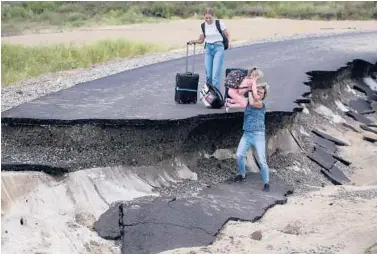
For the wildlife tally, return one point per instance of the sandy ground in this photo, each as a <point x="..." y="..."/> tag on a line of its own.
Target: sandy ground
<point x="174" y="34"/>
<point x="41" y="214"/>
<point x="325" y="221"/>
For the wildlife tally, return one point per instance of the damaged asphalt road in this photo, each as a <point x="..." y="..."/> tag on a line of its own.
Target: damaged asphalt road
<point x="161" y="224"/>
<point x="152" y="226"/>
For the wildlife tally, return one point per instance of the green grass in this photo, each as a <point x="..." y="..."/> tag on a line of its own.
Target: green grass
<point x="20" y="16"/>
<point x="21" y="62"/>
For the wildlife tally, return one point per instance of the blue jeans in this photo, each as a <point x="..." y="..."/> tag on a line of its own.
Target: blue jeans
<point x="214" y="60"/>
<point x="258" y="141"/>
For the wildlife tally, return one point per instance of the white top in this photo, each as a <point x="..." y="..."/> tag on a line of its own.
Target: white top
<point x="212" y="34"/>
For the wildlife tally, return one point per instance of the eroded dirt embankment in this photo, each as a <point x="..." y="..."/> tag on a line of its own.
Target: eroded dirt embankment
<point x="163" y="159"/>
<point x="294" y="159"/>
<point x="91" y="165"/>
<point x="329" y="216"/>
<point x="119" y="162"/>
<point x="74" y="145"/>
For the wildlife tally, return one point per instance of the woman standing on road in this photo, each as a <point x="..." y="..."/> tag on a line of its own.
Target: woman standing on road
<point x="254" y="132"/>
<point x="213" y="33"/>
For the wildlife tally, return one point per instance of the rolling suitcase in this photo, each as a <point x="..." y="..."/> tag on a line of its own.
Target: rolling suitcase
<point x="186" y="87"/>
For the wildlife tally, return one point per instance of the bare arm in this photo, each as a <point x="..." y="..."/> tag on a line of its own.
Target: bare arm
<point x="253" y="87"/>
<point x="253" y="102"/>
<point x="227" y="35"/>
<point x="244" y="86"/>
<point x="198" y="41"/>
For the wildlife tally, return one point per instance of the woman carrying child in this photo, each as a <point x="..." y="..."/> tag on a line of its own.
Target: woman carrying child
<point x="253" y="125"/>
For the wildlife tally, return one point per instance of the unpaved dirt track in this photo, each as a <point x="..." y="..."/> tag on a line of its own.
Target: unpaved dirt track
<point x="175" y="33"/>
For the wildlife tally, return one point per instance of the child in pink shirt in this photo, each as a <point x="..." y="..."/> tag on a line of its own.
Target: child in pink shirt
<point x="239" y="82"/>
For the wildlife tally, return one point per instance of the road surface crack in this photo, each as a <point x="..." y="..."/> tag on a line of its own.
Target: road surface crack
<point x="167" y="223"/>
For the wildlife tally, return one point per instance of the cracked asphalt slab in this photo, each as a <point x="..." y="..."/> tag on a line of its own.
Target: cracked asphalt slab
<point x="147" y="92"/>
<point x="154" y="225"/>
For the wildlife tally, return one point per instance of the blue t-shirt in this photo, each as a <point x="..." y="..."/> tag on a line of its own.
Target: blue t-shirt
<point x="254" y="118"/>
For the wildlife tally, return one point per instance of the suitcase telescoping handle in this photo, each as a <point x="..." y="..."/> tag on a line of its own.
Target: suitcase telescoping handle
<point x="187" y="55"/>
